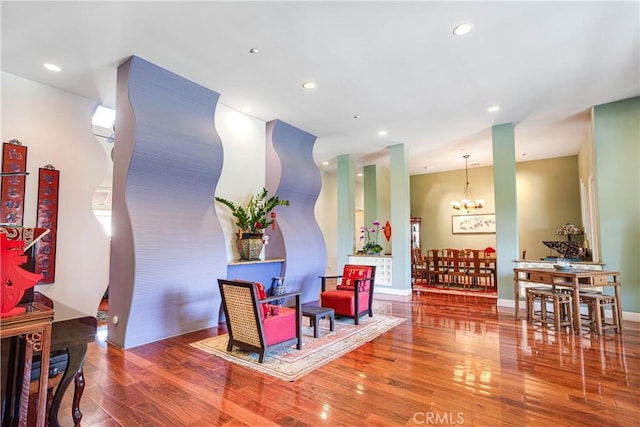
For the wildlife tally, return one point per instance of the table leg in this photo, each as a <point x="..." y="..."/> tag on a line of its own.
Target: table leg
<point x="332" y="322"/>
<point x="516" y="296"/>
<point x="576" y="309"/>
<point x="77" y="355"/>
<point x="316" y="324"/>
<point x="618" y="305"/>
<point x="77" y="395"/>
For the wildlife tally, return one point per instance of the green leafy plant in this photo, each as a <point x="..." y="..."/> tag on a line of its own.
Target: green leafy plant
<point x="256" y="215"/>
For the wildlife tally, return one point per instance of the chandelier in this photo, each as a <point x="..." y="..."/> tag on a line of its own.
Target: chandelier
<point x="467" y="203"/>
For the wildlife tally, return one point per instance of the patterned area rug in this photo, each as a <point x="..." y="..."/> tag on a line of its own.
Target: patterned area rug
<point x="290" y="364"/>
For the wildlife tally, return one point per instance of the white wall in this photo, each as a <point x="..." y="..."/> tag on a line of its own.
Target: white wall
<point x="243" y="170"/>
<point x="326" y="215"/>
<point x="56" y="128"/>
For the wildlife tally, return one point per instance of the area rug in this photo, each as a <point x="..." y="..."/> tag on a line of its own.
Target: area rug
<point x="290" y="364"/>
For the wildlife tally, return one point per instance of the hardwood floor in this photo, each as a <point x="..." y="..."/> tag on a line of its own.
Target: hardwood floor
<point x="459" y="360"/>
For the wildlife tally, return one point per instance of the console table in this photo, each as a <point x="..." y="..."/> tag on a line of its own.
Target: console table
<point x="34" y="326"/>
<point x="573" y="279"/>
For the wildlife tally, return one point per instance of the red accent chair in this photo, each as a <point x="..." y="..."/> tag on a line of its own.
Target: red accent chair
<point x="255" y="325"/>
<point x="353" y="297"/>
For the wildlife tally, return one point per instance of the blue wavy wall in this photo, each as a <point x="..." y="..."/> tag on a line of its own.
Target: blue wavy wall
<point x="168" y="247"/>
<point x="293" y="175"/>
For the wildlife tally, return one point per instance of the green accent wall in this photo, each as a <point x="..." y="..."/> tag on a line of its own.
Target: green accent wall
<point x="616" y="135"/>
<point x="548" y="197"/>
<point x="370" y="194"/>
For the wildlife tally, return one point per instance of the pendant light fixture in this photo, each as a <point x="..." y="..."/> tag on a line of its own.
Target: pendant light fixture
<point x="467" y="203"/>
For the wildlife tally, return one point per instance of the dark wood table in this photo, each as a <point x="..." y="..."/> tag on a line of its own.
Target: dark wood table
<point x="32" y="329"/>
<point x="315" y="313"/>
<point x="573" y="279"/>
<point x="71" y="331"/>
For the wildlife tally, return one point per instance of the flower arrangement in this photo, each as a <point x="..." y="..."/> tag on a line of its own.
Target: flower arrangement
<point x="569" y="230"/>
<point x="370" y="238"/>
<point x="257" y="215"/>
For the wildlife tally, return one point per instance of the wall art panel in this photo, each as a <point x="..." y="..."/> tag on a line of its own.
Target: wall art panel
<point x="168" y="248"/>
<point x="293" y="175"/>
<point x="47" y="217"/>
<point x="12" y="186"/>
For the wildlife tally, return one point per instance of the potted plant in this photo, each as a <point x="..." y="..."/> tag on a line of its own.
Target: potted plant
<point x="370" y="238"/>
<point x="252" y="220"/>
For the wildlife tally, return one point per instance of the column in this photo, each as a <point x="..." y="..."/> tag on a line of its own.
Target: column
<point x="504" y="179"/>
<point x="346" y="222"/>
<point x="400" y="220"/>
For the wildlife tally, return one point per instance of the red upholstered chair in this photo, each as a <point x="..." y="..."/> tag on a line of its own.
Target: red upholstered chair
<point x="353" y="297"/>
<point x="253" y="323"/>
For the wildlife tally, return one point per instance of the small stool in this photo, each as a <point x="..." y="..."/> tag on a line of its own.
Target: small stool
<point x="596" y="304"/>
<point x="532" y="296"/>
<point x="560" y="314"/>
<point x="315" y="314"/>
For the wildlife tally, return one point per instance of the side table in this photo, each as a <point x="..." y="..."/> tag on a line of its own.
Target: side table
<point x="315" y="314"/>
<point x="34" y="325"/>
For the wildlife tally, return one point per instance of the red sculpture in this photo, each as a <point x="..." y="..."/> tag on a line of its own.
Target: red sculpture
<point x="14" y="280"/>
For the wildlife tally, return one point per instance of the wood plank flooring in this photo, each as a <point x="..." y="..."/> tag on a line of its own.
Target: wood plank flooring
<point x="458" y="360"/>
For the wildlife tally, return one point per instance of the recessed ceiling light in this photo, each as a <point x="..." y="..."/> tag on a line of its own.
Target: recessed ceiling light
<point x="254" y="50"/>
<point x="325" y="163"/>
<point x="52" y="67"/>
<point x="245" y="109"/>
<point x="524" y="154"/>
<point x="382" y="133"/>
<point x="309" y="85"/>
<point x="359" y="174"/>
<point x="357" y="116"/>
<point x="462" y="29"/>
<point x="493" y="109"/>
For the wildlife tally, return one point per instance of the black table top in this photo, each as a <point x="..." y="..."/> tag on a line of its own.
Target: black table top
<point x="315" y="310"/>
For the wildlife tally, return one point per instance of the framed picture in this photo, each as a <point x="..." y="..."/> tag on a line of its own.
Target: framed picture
<point x="473" y="224"/>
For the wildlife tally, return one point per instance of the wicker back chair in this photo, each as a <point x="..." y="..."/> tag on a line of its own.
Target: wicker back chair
<point x="254" y="324"/>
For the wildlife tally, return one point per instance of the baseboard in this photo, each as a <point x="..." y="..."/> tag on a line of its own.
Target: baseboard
<point x="631" y="316"/>
<point x="391" y="291"/>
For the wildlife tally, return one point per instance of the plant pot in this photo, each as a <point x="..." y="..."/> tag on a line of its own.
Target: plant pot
<point x="250" y="246"/>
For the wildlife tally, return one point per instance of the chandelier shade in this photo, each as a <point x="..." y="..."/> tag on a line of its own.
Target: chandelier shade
<point x="468" y="203"/>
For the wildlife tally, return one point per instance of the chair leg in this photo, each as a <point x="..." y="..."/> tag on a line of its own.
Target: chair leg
<point x="598" y="318"/>
<point x="556" y="312"/>
<point x="261" y="358"/>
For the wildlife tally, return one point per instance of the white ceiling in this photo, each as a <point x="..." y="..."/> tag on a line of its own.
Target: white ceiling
<point x="396" y="64"/>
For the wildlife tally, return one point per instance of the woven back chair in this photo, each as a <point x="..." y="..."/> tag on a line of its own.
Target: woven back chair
<point x="255" y="325"/>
